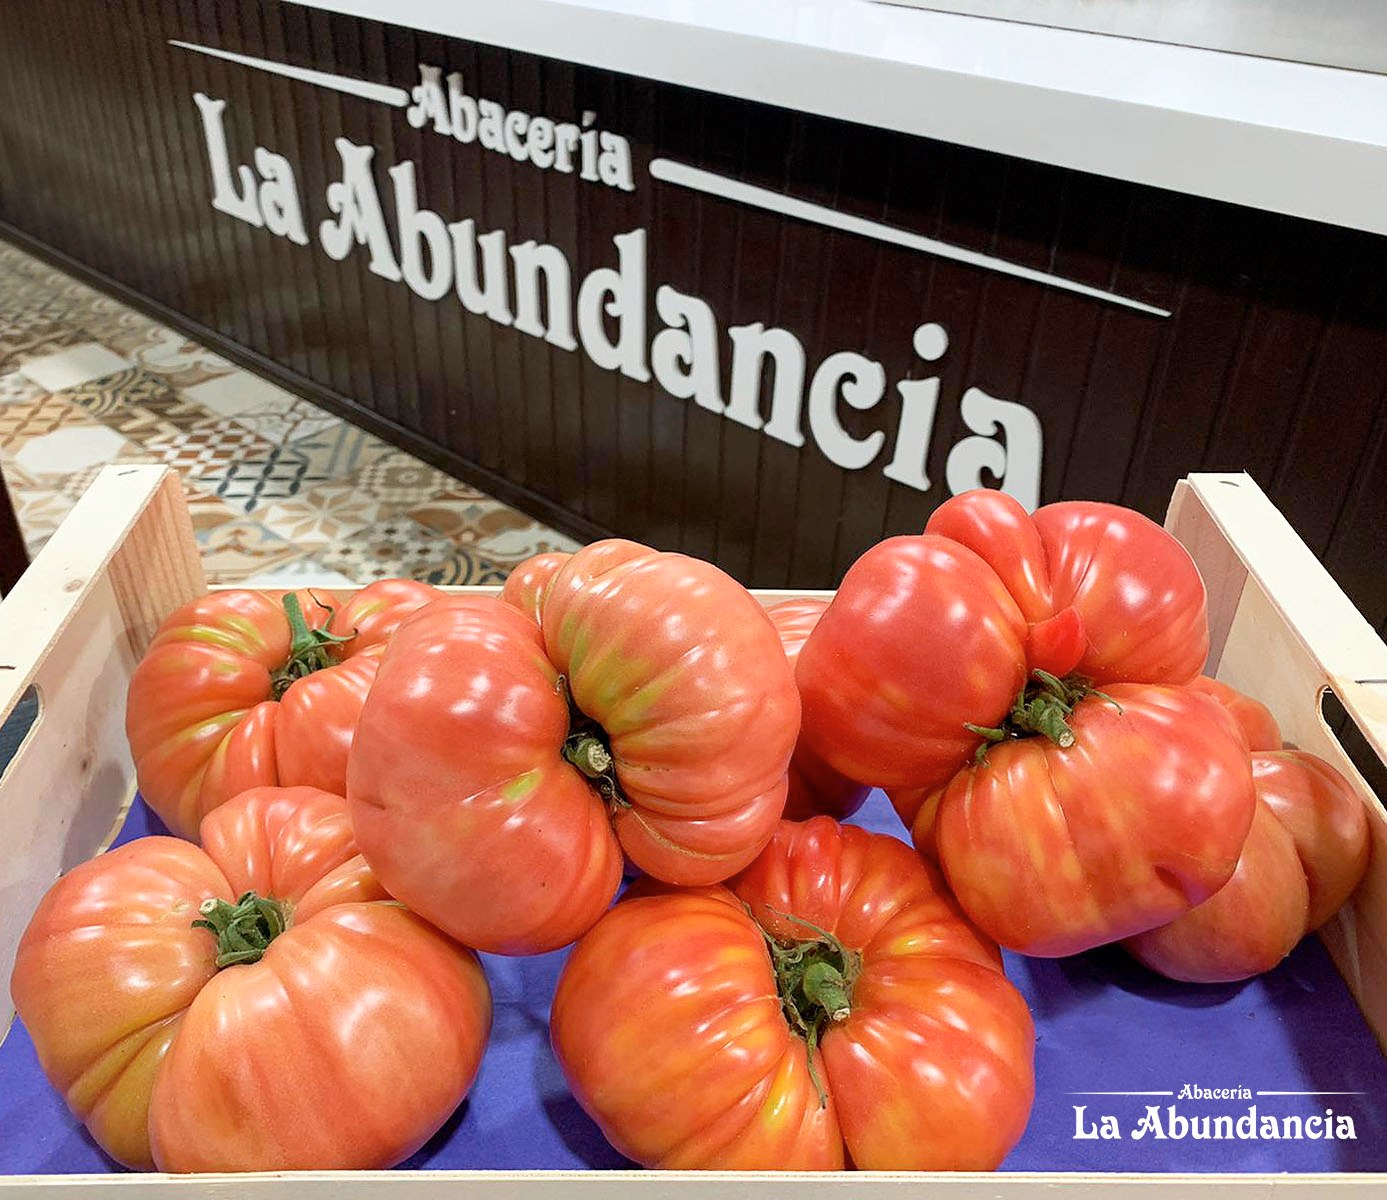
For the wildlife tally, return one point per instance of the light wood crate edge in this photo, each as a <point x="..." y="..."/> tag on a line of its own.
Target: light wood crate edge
<point x="1282" y="630"/>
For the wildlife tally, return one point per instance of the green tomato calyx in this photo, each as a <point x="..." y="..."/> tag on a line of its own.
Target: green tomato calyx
<point x="815" y="977"/>
<point x="588" y="749"/>
<point x="244" y="930"/>
<point x="309" y="649"/>
<point x="1042" y="708"/>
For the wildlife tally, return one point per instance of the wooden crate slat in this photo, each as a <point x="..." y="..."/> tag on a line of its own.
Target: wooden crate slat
<point x="74" y="628"/>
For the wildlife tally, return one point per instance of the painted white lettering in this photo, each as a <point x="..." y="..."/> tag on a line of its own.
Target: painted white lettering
<point x="685" y="354"/>
<point x="751" y="344"/>
<point x="1150" y="1123"/>
<point x="359" y="220"/>
<point x="227" y="197"/>
<point x="862" y="383"/>
<point x="1017" y="464"/>
<point x="620" y="294"/>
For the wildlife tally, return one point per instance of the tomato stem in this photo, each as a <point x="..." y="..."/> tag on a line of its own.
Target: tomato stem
<point x="815" y="978"/>
<point x="244" y="930"/>
<point x="309" y="649"/>
<point x="1042" y="708"/>
<point x="587" y="748"/>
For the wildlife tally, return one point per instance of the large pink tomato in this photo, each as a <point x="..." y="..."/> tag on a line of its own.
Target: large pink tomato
<point x="934" y="635"/>
<point x="503" y="763"/>
<point x="1306" y="852"/>
<point x="1093" y="818"/>
<point x="832" y="1008"/>
<point x="1105" y="591"/>
<point x="815" y="787"/>
<point x="1254" y="718"/>
<point x="259" y="1004"/>
<point x="243" y="689"/>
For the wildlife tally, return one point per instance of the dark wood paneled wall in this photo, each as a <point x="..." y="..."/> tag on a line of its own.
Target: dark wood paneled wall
<point x="1274" y="358"/>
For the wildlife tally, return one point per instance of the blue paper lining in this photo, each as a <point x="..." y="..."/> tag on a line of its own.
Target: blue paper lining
<point x="1104" y="1024"/>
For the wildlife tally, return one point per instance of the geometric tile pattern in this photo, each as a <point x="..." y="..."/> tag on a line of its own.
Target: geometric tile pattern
<point x="322" y="514"/>
<point x="467" y="567"/>
<point x="401" y="480"/>
<point x="16" y="389"/>
<point x="258" y="475"/>
<point x="395" y="546"/>
<point x="74" y="447"/>
<point x="130" y="387"/>
<point x="341" y="451"/>
<point x="281" y="493"/>
<point x="36" y="418"/>
<point x="72" y="365"/>
<point x="209" y="448"/>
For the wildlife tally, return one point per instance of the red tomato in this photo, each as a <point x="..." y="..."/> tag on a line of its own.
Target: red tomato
<point x="815" y="787"/>
<point x="501" y="766"/>
<point x="833" y="1007"/>
<point x="229" y="697"/>
<point x="525" y="585"/>
<point x="1307" y="851"/>
<point x="1254" y="718"/>
<point x="920" y="640"/>
<point x="328" y="1027"/>
<point x="1054" y="849"/>
<point x="932" y="634"/>
<point x="1325" y="817"/>
<point x="1106" y="592"/>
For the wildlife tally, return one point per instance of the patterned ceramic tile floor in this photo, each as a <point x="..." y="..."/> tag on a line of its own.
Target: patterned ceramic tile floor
<point x="280" y="491"/>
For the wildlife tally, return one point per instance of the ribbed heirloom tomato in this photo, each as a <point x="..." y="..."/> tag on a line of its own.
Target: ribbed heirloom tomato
<point x="830" y="1007"/>
<point x="1254" y="718"/>
<point x="243" y="689"/>
<point x="1092" y="818"/>
<point x="1306" y="852"/>
<point x="256" y="1004"/>
<point x="930" y="634"/>
<point x="509" y="753"/>
<point x="815" y="787"/>
<point x="1131" y="809"/>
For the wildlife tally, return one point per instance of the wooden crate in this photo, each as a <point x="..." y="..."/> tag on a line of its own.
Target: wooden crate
<point x="76" y="624"/>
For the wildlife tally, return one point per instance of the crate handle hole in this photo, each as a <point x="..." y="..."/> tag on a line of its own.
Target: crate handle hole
<point x="1359" y="750"/>
<point x="18" y="727"/>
